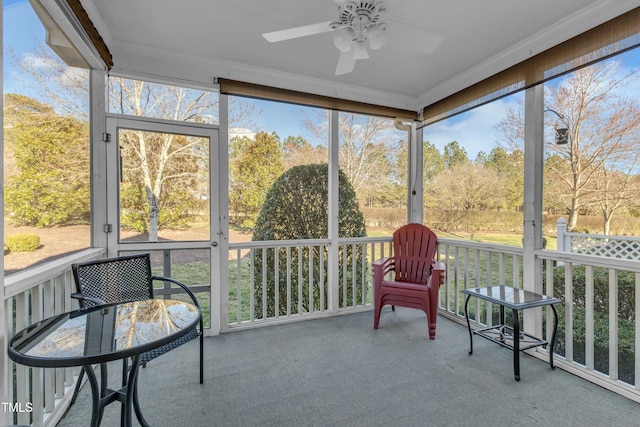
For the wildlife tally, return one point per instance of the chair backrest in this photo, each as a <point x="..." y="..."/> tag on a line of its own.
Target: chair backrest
<point x="414" y="249"/>
<point x="114" y="280"/>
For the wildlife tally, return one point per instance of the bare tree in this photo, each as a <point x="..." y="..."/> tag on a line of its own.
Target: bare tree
<point x="614" y="191"/>
<point x="468" y="186"/>
<point x="603" y="125"/>
<point x="369" y="151"/>
<point x="603" y="128"/>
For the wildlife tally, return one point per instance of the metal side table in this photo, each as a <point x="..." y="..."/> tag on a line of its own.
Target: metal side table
<point x="511" y="337"/>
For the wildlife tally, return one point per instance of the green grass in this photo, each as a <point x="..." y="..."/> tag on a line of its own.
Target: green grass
<point x="510" y="239"/>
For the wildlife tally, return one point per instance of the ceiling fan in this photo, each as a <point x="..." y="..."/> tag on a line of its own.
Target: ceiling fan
<point x="360" y="23"/>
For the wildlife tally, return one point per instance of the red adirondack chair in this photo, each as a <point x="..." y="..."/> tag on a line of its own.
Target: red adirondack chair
<point x="417" y="275"/>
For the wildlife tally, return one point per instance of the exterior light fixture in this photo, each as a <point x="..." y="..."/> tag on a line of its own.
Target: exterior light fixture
<point x="562" y="133"/>
<point x="562" y="136"/>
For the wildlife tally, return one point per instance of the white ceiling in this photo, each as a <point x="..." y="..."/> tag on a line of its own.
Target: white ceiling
<point x="194" y="41"/>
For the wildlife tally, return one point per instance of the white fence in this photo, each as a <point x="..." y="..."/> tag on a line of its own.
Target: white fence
<point x="623" y="247"/>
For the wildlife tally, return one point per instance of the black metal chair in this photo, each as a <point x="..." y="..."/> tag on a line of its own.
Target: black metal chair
<point x="125" y="279"/>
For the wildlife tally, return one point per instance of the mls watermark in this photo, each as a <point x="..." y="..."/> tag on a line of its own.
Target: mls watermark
<point x="17" y="407"/>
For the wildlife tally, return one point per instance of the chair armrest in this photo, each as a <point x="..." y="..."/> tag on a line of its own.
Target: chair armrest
<point x="179" y="283"/>
<point x="82" y="297"/>
<point x="439" y="271"/>
<point x="383" y="266"/>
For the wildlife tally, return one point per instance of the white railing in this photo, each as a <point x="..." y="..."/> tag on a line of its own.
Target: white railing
<point x="598" y="332"/>
<point x="623" y="247"/>
<point x="302" y="270"/>
<point x="30" y="296"/>
<point x="472" y="265"/>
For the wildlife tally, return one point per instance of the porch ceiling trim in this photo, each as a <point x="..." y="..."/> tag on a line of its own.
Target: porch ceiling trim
<point x="253" y="90"/>
<point x="613" y="37"/>
<point x="93" y="34"/>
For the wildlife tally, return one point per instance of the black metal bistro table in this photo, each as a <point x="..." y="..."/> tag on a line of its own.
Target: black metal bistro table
<point x="102" y="334"/>
<point x="510" y="336"/>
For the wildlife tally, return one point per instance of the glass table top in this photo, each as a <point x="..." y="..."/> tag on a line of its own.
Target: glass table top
<point x="103" y="333"/>
<point x="508" y="296"/>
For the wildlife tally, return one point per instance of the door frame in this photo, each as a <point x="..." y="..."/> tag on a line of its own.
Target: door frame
<point x="217" y="193"/>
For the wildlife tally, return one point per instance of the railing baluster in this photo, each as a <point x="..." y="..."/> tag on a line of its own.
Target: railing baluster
<point x="637" y="332"/>
<point x="299" y="248"/>
<point x="613" y="325"/>
<point x="322" y="282"/>
<point x="252" y="285"/>
<point x="568" y="296"/>
<point x="589" y="317"/>
<point x="238" y="286"/>
<point x="22" y="372"/>
<point x="310" y="274"/>
<point x="288" y="280"/>
<point x="276" y="280"/>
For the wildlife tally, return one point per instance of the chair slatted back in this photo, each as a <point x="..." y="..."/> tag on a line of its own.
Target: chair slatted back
<point x="115" y="280"/>
<point x="414" y="249"/>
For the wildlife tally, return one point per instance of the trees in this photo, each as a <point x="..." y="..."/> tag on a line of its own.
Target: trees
<point x="603" y="125"/>
<point x="298" y="151"/>
<point x="296" y="207"/>
<point x="371" y="154"/>
<point x="603" y="128"/>
<point x="160" y="171"/>
<point x="51" y="183"/>
<point x="252" y="172"/>
<point x="603" y="131"/>
<point x="509" y="167"/>
<point x="162" y="167"/>
<point x="454" y="154"/>
<point x="468" y="187"/>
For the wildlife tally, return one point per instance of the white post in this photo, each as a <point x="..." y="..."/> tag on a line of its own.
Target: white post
<point x="414" y="170"/>
<point x="561" y="230"/>
<point x="334" y="206"/>
<point x="533" y="170"/>
<point x="4" y="325"/>
<point x="219" y="313"/>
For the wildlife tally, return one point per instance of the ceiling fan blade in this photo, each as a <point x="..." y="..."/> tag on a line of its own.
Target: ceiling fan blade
<point x="293" y="33"/>
<point x="346" y="63"/>
<point x="414" y="38"/>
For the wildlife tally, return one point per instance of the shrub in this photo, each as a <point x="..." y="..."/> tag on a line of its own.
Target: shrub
<point x="296" y="207"/>
<point x="22" y="242"/>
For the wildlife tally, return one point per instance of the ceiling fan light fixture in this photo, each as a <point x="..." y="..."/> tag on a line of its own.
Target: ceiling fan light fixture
<point x="377" y="35"/>
<point x="360" y="51"/>
<point x="343" y="39"/>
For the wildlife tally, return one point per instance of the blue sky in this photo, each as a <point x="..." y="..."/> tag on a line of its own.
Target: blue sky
<point x="473" y="130"/>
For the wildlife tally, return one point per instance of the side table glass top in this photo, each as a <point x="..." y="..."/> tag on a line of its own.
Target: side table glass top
<point x="510" y="297"/>
<point x="103" y="333"/>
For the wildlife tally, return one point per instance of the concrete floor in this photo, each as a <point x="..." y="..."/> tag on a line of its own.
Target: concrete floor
<point x="339" y="371"/>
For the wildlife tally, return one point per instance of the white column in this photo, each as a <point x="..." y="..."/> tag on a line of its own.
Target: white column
<point x="98" y="101"/>
<point x="220" y="232"/>
<point x="334" y="206"/>
<point x="533" y="179"/>
<point x="4" y="359"/>
<point x="414" y="180"/>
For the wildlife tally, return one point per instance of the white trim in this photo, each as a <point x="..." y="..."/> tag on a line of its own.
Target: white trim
<point x="203" y="71"/>
<point x="585" y="19"/>
<point x="63" y="16"/>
